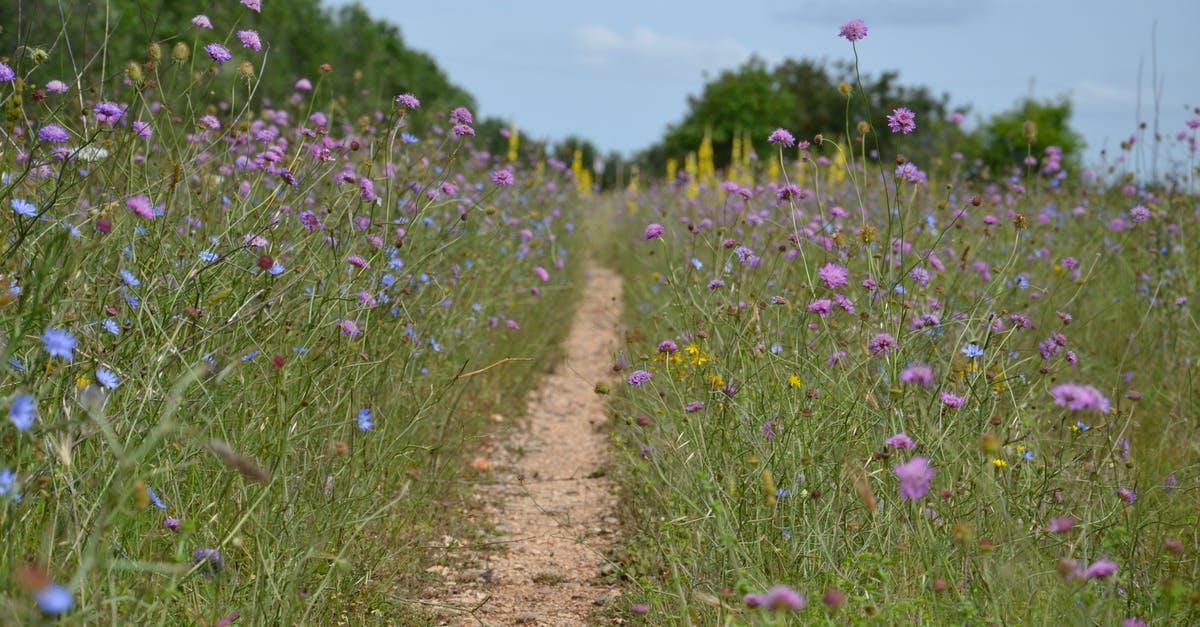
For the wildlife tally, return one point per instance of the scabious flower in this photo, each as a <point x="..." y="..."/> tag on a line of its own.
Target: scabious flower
<point x="23" y="411"/>
<point x="349" y="327"/>
<point x="781" y="597"/>
<point x="503" y="177"/>
<point x="1126" y="494"/>
<point x="667" y="346"/>
<point x="202" y="21"/>
<point x="208" y="561"/>
<point x="364" y="419"/>
<point x="59" y="343"/>
<point x="250" y="39"/>
<point x="219" y="53"/>
<point x="143" y="129"/>
<point x="461" y="115"/>
<point x="1076" y="397"/>
<point x="53" y="133"/>
<point x="950" y="399"/>
<point x="917" y="373"/>
<point x="1139" y="213"/>
<point x="902" y="120"/>
<point x="141" y="206"/>
<point x="253" y="5"/>
<point x="409" y="101"/>
<point x="900" y="440"/>
<point x="693" y="406"/>
<point x="6" y="73"/>
<point x="883" y="343"/>
<point x="782" y="136"/>
<point x="653" y="231"/>
<point x="56" y="87"/>
<point x="172" y="523"/>
<point x="853" y="30"/>
<point x="638" y="377"/>
<point x="833" y="275"/>
<point x="542" y="273"/>
<point x="915" y="476"/>
<point x="1098" y="570"/>
<point x="108" y="112"/>
<point x="1061" y="525"/>
<point x="461" y="130"/>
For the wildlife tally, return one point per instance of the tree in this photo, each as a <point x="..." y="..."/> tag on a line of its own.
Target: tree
<point x="1025" y="130"/>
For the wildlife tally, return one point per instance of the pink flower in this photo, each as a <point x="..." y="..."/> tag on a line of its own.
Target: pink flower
<point x="918" y="373"/>
<point x="542" y="273"/>
<point x="1061" y="525"/>
<point x="503" y="177"/>
<point x="900" y="440"/>
<point x="653" y="231"/>
<point x="902" y="120"/>
<point x="950" y="399"/>
<point x="853" y="30"/>
<point x="250" y="40"/>
<point x="915" y="476"/>
<point x="882" y="344"/>
<point x="1076" y="397"/>
<point x="781" y="136"/>
<point x="253" y="5"/>
<point x="141" y="206"/>
<point x="833" y="275"/>
<point x="202" y="21"/>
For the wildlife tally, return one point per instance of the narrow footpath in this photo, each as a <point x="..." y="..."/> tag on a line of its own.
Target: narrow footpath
<point x="547" y="494"/>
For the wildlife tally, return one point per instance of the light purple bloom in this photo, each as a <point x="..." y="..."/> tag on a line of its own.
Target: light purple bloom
<point x="6" y="73"/>
<point x="853" y="30"/>
<point x="503" y="177"/>
<point x="950" y="399"/>
<point x="638" y="377"/>
<point x="409" y="101"/>
<point x="782" y="136"/>
<point x="1078" y="397"/>
<point x="833" y="275"/>
<point x="56" y="87"/>
<point x="781" y="597"/>
<point x="23" y="412"/>
<point x="202" y="21"/>
<point x="250" y="39"/>
<point x="1061" y="525"/>
<point x="253" y="5"/>
<point x="219" y="53"/>
<point x="883" y="343"/>
<point x="53" y="133"/>
<point x="900" y="440"/>
<point x="653" y="231"/>
<point x="108" y="112"/>
<point x="917" y="373"/>
<point x="915" y="476"/>
<point x="461" y="115"/>
<point x="1098" y="570"/>
<point x="902" y="120"/>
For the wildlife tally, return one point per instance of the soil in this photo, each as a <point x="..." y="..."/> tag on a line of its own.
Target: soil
<point x="545" y="494"/>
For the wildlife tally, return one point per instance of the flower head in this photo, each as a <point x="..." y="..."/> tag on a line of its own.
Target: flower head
<point x="6" y="73"/>
<point x="781" y="597"/>
<point x="638" y="377"/>
<point x="1077" y="397"/>
<point x="23" y="411"/>
<point x="782" y="136"/>
<point x="253" y="5"/>
<point x="107" y="378"/>
<point x="883" y="343"/>
<point x="250" y="39"/>
<point x="202" y="21"/>
<point x="364" y="419"/>
<point x="1061" y="525"/>
<point x="208" y="561"/>
<point x="900" y="440"/>
<point x="219" y="53"/>
<point x="833" y="275"/>
<point x="53" y="133"/>
<point x="108" y="112"/>
<point x="653" y="231"/>
<point x="54" y="598"/>
<point x="853" y="30"/>
<point x="461" y="115"/>
<point x="409" y="101"/>
<point x="902" y="120"/>
<point x="24" y="207"/>
<point x="59" y="343"/>
<point x="503" y="177"/>
<point x="915" y="476"/>
<point x="141" y="206"/>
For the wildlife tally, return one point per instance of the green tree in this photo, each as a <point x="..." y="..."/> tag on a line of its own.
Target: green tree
<point x="1027" y="129"/>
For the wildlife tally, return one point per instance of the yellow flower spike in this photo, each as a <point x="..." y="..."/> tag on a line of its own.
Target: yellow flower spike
<point x="769" y="487"/>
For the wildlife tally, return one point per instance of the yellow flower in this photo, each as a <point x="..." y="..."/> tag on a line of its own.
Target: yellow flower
<point x="999" y="463"/>
<point x="794" y="381"/>
<point x="82" y="380"/>
<point x="1074" y="428"/>
<point x="716" y="380"/>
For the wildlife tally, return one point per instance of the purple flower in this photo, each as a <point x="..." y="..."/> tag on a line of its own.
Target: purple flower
<point x="781" y="136"/>
<point x="463" y="129"/>
<point x="915" y="476"/>
<point x="208" y="561"/>
<point x="250" y="40"/>
<point x="503" y="177"/>
<point x="653" y="231"/>
<point x="364" y="419"/>
<point x="141" y="205"/>
<point x="202" y="21"/>
<point x="1126" y="494"/>
<point x="409" y="101"/>
<point x="902" y="120"/>
<point x="693" y="406"/>
<point x="6" y="73"/>
<point x="752" y="600"/>
<point x="23" y="411"/>
<point x="821" y="306"/>
<point x="1061" y="525"/>
<point x="143" y="129"/>
<point x="108" y="112"/>
<point x="54" y="599"/>
<point x="461" y="115"/>
<point x="1078" y="397"/>
<point x="833" y="275"/>
<point x="853" y="30"/>
<point x="1098" y="570"/>
<point x="638" y="377"/>
<point x="900" y="440"/>
<point x="542" y="273"/>
<point x="882" y="343"/>
<point x="219" y="53"/>
<point x="56" y="87"/>
<point x="349" y="327"/>
<point x="781" y="597"/>
<point x="950" y="399"/>
<point x="1139" y="214"/>
<point x="53" y="133"/>
<point x="253" y="5"/>
<point x="172" y="523"/>
<point x="918" y="373"/>
<point x="667" y="346"/>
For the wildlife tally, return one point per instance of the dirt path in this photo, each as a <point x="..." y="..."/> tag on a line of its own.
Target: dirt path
<point x="546" y="496"/>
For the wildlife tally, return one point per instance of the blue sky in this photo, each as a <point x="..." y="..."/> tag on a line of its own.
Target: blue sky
<point x="618" y="71"/>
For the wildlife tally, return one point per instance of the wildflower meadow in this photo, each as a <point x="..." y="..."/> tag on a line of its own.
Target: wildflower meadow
<point x="250" y="342"/>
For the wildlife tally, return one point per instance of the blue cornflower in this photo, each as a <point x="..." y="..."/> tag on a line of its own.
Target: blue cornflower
<point x="8" y="485"/>
<point x="59" y="343"/>
<point x="787" y="534"/>
<point x="24" y="207"/>
<point x="276" y="269"/>
<point x="107" y="378"/>
<point x="697" y="264"/>
<point x="364" y="419"/>
<point x="54" y="599"/>
<point x="299" y="350"/>
<point x="22" y="412"/>
<point x="111" y="326"/>
<point x="133" y="300"/>
<point x="17" y="364"/>
<point x="250" y="355"/>
<point x="409" y="138"/>
<point x="437" y="348"/>
<point x="972" y="350"/>
<point x="208" y="256"/>
<point x="387" y="280"/>
<point x="129" y="278"/>
<point x="154" y="498"/>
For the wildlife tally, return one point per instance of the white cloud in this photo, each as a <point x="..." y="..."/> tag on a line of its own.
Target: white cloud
<point x="599" y="46"/>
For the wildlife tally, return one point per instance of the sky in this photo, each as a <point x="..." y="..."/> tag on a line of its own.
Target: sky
<point x="618" y="72"/>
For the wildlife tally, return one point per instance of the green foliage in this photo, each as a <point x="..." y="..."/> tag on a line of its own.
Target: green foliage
<point x="801" y="96"/>
<point x="1007" y="138"/>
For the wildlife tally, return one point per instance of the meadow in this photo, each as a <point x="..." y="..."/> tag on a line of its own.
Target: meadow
<point x="250" y="341"/>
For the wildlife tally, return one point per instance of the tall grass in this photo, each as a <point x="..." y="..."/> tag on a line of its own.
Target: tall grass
<point x="245" y="347"/>
<point x="789" y="320"/>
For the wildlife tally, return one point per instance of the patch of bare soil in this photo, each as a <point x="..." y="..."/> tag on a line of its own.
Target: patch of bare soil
<point x="546" y="494"/>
